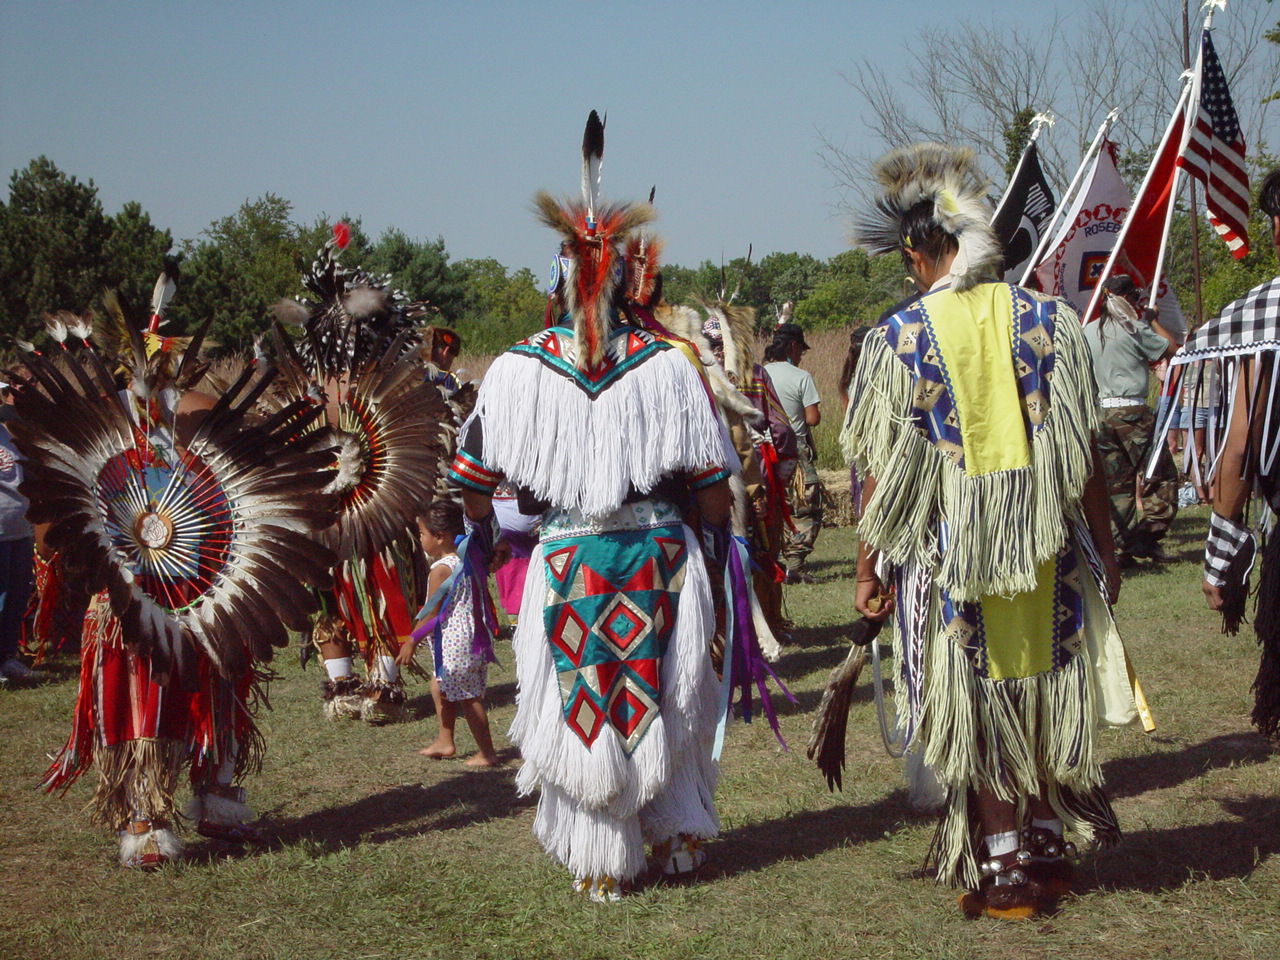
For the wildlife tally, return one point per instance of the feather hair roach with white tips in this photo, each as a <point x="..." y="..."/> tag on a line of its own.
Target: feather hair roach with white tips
<point x="948" y="179"/>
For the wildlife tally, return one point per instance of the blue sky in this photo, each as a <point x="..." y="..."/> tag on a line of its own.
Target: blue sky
<point x="444" y="118"/>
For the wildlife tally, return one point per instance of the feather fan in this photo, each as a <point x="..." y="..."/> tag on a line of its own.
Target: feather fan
<point x="831" y="719"/>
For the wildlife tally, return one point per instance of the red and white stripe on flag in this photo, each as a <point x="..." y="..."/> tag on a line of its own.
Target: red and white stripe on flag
<point x="1213" y="151"/>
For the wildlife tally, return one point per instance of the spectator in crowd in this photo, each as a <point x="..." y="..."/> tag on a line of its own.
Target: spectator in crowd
<point x="799" y="397"/>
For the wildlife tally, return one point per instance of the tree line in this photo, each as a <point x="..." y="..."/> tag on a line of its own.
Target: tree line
<point x="59" y="249"/>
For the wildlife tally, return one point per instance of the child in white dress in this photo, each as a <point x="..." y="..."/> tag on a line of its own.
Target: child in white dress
<point x="459" y="682"/>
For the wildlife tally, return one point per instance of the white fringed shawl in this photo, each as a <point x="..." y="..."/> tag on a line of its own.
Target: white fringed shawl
<point x="575" y="449"/>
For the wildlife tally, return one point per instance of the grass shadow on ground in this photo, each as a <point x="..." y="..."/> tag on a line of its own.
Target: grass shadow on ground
<point x="454" y="803"/>
<point x="1133" y="775"/>
<point x="1161" y="860"/>
<point x="801" y="836"/>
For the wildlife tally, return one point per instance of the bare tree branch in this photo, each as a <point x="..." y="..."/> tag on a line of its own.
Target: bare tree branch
<point x="968" y="85"/>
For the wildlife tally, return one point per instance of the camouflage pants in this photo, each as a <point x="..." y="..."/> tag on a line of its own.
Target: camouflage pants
<point x="1124" y="443"/>
<point x="806" y="496"/>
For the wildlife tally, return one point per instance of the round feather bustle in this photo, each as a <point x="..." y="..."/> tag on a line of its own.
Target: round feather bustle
<point x="948" y="178"/>
<point x="389" y="435"/>
<point x="208" y="542"/>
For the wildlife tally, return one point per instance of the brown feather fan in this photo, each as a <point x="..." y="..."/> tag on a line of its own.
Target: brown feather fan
<point x="831" y="720"/>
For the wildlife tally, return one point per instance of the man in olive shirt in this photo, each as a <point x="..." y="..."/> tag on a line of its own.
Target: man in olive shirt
<point x="798" y="395"/>
<point x="1124" y="343"/>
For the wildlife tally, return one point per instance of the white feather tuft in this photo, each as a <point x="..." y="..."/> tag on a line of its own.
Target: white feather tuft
<point x="364" y="301"/>
<point x="164" y="290"/>
<point x="55" y="327"/>
<point x="291" y="312"/>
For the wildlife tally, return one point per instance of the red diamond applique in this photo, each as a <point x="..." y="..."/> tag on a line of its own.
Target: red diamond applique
<point x="570" y="635"/>
<point x="623" y="624"/>
<point x="632" y="711"/>
<point x="584" y="717"/>
<point x="626" y="712"/>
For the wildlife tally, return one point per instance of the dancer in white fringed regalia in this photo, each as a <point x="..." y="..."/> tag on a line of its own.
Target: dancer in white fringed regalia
<point x="610" y="434"/>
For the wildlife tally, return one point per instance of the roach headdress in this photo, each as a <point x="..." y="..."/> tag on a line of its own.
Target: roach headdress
<point x="643" y="259"/>
<point x="592" y="249"/>
<point x="354" y="315"/>
<point x="733" y="324"/>
<point x="948" y="180"/>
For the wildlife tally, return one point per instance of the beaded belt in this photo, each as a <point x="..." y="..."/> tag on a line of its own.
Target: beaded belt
<point x="1109" y="403"/>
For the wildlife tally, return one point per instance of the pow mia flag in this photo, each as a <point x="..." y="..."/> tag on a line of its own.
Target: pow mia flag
<point x="1023" y="214"/>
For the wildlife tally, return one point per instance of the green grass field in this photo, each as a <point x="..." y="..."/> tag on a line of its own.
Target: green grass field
<point x="379" y="853"/>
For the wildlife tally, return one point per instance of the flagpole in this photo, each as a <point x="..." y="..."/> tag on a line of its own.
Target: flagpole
<point x="1047" y="237"/>
<point x="1178" y="174"/>
<point x="1212" y="7"/>
<point x="1183" y="97"/>
<point x="1038" y="123"/>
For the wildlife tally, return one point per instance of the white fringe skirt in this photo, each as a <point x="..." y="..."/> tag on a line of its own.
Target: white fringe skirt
<point x="598" y="807"/>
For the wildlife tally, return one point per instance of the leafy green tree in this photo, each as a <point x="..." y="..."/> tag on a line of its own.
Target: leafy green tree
<point x="53" y="238"/>
<point x="242" y="265"/>
<point x="501" y="308"/>
<point x="421" y="268"/>
<point x="856" y="289"/>
<point x="59" y="249"/>
<point x="135" y="254"/>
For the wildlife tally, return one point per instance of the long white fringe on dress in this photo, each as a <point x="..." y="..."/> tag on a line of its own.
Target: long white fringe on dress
<point x="598" y="806"/>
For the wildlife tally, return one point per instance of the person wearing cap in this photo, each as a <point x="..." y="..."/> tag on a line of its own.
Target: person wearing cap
<point x="1123" y="344"/>
<point x="799" y="396"/>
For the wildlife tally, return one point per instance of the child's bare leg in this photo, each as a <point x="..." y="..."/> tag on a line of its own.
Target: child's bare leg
<point x="443" y="747"/>
<point x="478" y="721"/>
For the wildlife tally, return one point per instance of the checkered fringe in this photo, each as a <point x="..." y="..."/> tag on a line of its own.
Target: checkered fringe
<point x="1248" y="325"/>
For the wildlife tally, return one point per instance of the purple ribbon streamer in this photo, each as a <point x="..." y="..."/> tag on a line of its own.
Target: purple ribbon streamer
<point x="749" y="665"/>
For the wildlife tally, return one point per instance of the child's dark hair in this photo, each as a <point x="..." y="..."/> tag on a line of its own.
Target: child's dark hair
<point x="442" y="517"/>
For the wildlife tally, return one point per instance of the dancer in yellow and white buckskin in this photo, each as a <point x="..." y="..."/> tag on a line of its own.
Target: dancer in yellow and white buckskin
<point x="971" y="422"/>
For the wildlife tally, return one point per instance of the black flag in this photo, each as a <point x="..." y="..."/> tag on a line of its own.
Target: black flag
<point x="1023" y="214"/>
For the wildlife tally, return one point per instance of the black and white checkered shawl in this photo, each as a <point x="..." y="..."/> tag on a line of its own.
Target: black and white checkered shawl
<point x="1224" y="543"/>
<point x="1245" y="326"/>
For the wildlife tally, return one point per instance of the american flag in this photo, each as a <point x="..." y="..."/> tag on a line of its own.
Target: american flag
<point x="1213" y="152"/>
